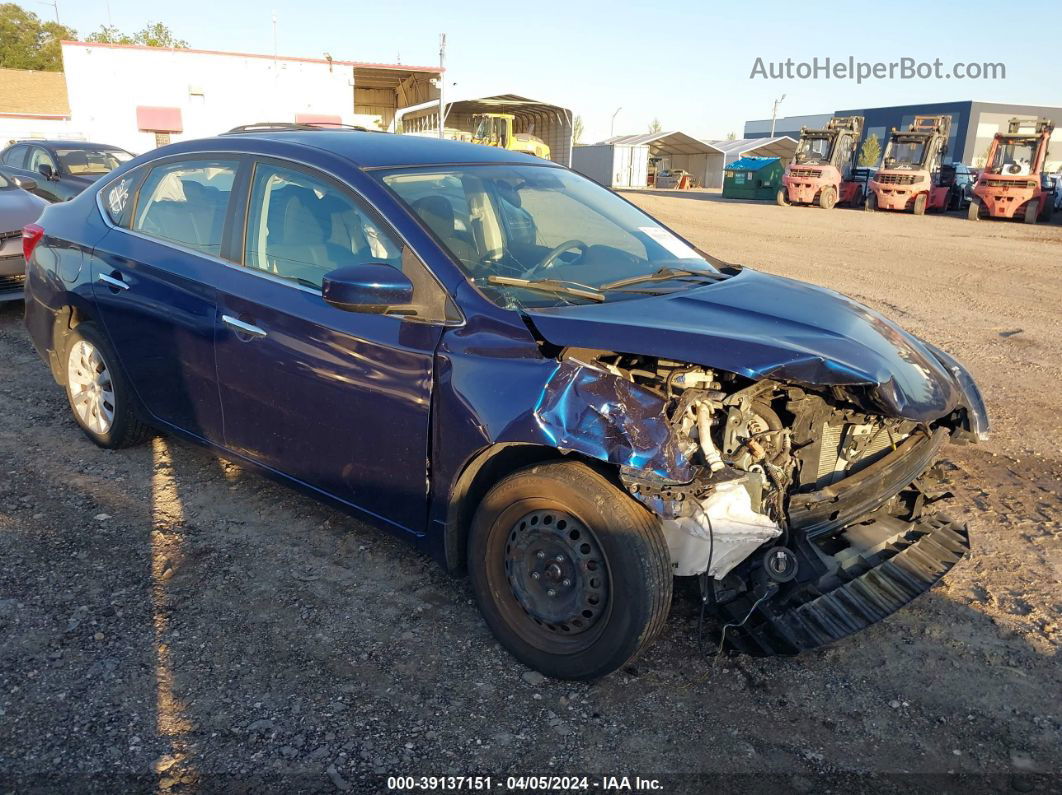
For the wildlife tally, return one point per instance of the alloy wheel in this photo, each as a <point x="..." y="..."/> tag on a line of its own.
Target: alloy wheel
<point x="91" y="388"/>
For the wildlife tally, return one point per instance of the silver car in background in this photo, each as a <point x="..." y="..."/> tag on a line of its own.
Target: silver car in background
<point x="18" y="207"/>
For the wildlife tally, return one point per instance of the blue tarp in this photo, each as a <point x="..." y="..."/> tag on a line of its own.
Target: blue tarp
<point x="750" y="163"/>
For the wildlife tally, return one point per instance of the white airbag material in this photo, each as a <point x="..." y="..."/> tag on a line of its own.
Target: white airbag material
<point x="736" y="532"/>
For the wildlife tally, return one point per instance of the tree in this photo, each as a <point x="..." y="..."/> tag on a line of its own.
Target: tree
<point x="655" y="126"/>
<point x="28" y="43"/>
<point x="577" y="129"/>
<point x="870" y="152"/>
<point x="731" y="136"/>
<point x="154" y="34"/>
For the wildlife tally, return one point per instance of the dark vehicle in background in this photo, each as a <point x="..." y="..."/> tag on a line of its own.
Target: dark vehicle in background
<point x="61" y="169"/>
<point x="18" y="207"/>
<point x="960" y="180"/>
<point x="520" y="372"/>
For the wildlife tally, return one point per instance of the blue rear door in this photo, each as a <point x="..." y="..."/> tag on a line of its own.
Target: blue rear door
<point x="155" y="284"/>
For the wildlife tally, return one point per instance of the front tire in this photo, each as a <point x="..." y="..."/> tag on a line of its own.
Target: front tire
<point x="100" y="398"/>
<point x="571" y="574"/>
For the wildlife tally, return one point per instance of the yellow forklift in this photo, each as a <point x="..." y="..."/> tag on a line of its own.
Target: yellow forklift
<point x="496" y="129"/>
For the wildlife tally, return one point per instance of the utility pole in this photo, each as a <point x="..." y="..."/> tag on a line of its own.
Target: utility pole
<point x="612" y="128"/>
<point x="442" y="84"/>
<point x="55" y="5"/>
<point x="774" y="112"/>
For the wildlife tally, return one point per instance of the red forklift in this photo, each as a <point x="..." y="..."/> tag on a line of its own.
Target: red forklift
<point x="909" y="177"/>
<point x="1012" y="184"/>
<point x="821" y="170"/>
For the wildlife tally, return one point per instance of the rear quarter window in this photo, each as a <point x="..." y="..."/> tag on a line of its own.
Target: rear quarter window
<point x="116" y="197"/>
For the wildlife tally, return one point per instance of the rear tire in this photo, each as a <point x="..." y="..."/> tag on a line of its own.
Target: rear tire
<point x="828" y="198"/>
<point x="100" y="397"/>
<point x="1032" y="211"/>
<point x="571" y="574"/>
<point x="782" y="198"/>
<point x="871" y="204"/>
<point x="973" y="210"/>
<point x="919" y="206"/>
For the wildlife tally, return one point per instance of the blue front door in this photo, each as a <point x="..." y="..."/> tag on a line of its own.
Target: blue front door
<point x="338" y="400"/>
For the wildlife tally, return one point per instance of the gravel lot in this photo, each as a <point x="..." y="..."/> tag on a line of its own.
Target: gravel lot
<point x="169" y="621"/>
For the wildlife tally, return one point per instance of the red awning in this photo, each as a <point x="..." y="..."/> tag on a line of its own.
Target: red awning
<point x="316" y="118"/>
<point x="159" y="119"/>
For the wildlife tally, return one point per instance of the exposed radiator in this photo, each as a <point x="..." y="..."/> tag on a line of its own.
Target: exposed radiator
<point x="864" y="443"/>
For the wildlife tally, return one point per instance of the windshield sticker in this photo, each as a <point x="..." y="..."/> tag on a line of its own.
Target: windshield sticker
<point x="670" y="242"/>
<point x="117" y="197"/>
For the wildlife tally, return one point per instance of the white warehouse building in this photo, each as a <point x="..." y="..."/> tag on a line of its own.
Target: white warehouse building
<point x="140" y="97"/>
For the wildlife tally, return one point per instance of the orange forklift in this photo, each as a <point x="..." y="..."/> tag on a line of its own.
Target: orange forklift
<point x="821" y="170"/>
<point x="1012" y="184"/>
<point x="909" y="177"/>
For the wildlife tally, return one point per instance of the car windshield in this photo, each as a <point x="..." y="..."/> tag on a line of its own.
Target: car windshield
<point x="92" y="161"/>
<point x="904" y="154"/>
<point x="814" y="151"/>
<point x="529" y="235"/>
<point x="1013" y="158"/>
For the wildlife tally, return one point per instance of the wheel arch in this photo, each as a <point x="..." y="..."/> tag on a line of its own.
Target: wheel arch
<point x="480" y="473"/>
<point x="71" y="314"/>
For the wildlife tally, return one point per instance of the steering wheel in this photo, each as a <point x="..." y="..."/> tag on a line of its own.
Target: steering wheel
<point x="547" y="262"/>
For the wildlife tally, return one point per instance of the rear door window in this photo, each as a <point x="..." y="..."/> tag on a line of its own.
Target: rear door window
<point x="185" y="202"/>
<point x="15" y="156"/>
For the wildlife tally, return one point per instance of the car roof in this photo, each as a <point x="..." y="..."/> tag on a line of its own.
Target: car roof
<point x="60" y="144"/>
<point x="385" y="150"/>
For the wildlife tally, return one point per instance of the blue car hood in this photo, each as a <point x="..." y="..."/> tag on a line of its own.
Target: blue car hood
<point x="763" y="326"/>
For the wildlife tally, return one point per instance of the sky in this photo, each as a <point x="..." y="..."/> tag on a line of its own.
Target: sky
<point x="685" y="63"/>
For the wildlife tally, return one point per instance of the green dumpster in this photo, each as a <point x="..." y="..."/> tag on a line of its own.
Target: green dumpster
<point x="753" y="178"/>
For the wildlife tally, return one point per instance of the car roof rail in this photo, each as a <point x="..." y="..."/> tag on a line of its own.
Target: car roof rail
<point x="275" y="126"/>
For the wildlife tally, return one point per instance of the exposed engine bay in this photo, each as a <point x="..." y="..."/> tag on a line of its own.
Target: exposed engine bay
<point x="765" y="489"/>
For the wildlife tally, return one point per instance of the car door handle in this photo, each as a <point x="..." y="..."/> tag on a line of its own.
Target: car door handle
<point x="110" y="281"/>
<point x="241" y="327"/>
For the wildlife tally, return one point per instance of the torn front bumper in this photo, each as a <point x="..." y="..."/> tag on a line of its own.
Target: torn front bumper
<point x="871" y="585"/>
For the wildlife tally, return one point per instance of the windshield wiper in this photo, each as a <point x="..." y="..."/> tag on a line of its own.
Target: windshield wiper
<point x="554" y="286"/>
<point x="663" y="274"/>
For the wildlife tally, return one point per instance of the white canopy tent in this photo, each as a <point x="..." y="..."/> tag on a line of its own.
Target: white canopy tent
<point x="678" y="150"/>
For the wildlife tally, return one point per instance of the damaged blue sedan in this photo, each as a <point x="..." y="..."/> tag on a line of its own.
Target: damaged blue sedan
<point x="521" y="372"/>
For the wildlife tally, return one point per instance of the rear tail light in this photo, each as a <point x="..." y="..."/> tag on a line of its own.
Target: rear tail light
<point x="31" y="236"/>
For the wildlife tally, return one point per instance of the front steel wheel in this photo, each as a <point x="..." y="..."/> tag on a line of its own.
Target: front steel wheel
<point x="571" y="574"/>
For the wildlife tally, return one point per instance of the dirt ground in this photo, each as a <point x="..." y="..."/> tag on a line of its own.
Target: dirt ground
<point x="169" y="621"/>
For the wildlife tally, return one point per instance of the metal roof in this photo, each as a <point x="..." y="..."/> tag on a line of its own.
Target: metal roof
<point x="499" y="103"/>
<point x="780" y="146"/>
<point x="668" y="143"/>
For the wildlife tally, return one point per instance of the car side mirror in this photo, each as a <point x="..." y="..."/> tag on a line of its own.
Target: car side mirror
<point x="46" y="171"/>
<point x="26" y="183"/>
<point x="372" y="288"/>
